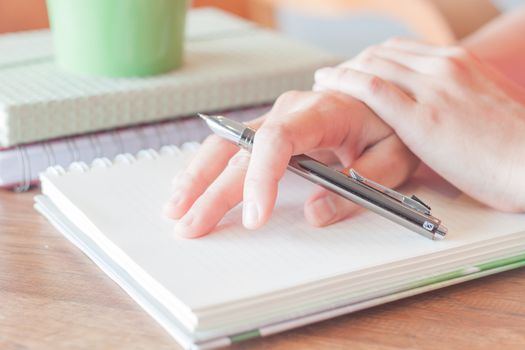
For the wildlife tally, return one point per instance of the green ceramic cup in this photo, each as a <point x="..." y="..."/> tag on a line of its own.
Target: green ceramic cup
<point x="118" y="38"/>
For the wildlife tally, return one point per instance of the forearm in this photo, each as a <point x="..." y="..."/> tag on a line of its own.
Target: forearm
<point x="501" y="44"/>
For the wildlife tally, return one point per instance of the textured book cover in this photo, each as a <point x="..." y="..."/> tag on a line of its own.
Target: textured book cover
<point x="229" y="63"/>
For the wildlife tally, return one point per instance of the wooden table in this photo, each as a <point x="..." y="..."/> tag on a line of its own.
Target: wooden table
<point x="54" y="297"/>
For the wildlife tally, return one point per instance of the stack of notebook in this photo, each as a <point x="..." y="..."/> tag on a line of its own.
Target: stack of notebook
<point x="236" y="284"/>
<point x="20" y="166"/>
<point x="229" y="64"/>
<point x="233" y="284"/>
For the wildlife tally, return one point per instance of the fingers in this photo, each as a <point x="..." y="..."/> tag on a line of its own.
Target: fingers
<point x="391" y="68"/>
<point x="272" y="150"/>
<point x="321" y="122"/>
<point x="298" y="123"/>
<point x="208" y="163"/>
<point x="423" y="49"/>
<point x="222" y="195"/>
<point x="445" y="61"/>
<point x="398" y="56"/>
<point x="402" y="86"/>
<point x="400" y="59"/>
<point x="211" y="159"/>
<point x="386" y="99"/>
<point x="411" y="45"/>
<point x="389" y="162"/>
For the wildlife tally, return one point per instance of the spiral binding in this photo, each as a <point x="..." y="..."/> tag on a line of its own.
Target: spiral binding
<point x="164" y="135"/>
<point x="26" y="171"/>
<point x="123" y="158"/>
<point x="25" y="185"/>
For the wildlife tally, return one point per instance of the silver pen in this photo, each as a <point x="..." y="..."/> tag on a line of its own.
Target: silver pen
<point x="410" y="212"/>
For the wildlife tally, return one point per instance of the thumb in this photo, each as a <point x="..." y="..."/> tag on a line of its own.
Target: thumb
<point x="389" y="163"/>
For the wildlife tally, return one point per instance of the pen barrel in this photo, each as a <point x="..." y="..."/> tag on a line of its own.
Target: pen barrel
<point x="351" y="189"/>
<point x="367" y="197"/>
<point x="246" y="139"/>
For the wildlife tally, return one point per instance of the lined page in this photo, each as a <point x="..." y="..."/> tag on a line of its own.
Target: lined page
<point x="125" y="202"/>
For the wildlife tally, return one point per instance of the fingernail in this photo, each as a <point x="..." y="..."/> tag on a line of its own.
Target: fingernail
<point x="250" y="215"/>
<point x="322" y="74"/>
<point x="182" y="226"/>
<point x="323" y="209"/>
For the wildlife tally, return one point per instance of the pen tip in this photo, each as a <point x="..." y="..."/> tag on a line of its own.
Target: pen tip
<point x="203" y="116"/>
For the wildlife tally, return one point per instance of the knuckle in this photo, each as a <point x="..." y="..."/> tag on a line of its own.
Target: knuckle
<point x="287" y="98"/>
<point x="325" y="98"/>
<point x="450" y="66"/>
<point x="365" y="59"/>
<point x="340" y="73"/>
<point x="375" y="84"/>
<point x="189" y="179"/>
<point x="240" y="160"/>
<point x="459" y="52"/>
<point x="273" y="133"/>
<point x="432" y="116"/>
<point x="325" y="103"/>
<point x="343" y="77"/>
<point x="369" y="63"/>
<point x="393" y="41"/>
<point x="456" y="62"/>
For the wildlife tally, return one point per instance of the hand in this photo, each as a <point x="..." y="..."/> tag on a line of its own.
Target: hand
<point x="220" y="175"/>
<point x="457" y="114"/>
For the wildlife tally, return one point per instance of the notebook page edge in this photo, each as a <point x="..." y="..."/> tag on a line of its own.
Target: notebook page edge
<point x="177" y="307"/>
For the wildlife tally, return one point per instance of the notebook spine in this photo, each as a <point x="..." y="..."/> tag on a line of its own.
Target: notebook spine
<point x="25" y="164"/>
<point x="28" y="164"/>
<point x="27" y="178"/>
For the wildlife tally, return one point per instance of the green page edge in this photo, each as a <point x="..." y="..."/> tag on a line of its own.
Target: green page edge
<point x="510" y="262"/>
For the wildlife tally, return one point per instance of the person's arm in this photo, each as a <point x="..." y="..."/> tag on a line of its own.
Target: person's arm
<point x="502" y="44"/>
<point x="458" y="114"/>
<point x="455" y="119"/>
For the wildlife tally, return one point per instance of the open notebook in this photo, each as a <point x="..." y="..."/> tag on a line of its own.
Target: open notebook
<point x="236" y="284"/>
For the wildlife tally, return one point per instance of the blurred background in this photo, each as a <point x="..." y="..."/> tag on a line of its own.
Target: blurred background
<point x="343" y="27"/>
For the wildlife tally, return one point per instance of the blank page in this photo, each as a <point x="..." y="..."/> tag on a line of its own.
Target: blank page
<point x="124" y="201"/>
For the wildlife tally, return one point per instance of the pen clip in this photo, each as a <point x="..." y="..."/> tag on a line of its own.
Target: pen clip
<point x="412" y="202"/>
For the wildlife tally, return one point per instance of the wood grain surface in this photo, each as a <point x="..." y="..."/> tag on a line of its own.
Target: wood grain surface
<point x="53" y="297"/>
